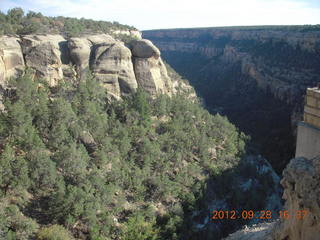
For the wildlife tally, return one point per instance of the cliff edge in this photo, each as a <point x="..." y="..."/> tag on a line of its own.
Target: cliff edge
<point x="121" y="68"/>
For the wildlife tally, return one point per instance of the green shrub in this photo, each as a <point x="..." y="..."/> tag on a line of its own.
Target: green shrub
<point x="54" y="232"/>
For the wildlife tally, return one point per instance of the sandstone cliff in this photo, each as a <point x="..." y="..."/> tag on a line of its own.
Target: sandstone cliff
<point x="302" y="195"/>
<point x="121" y="68"/>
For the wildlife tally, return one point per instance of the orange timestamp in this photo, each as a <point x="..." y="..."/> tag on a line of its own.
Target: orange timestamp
<point x="262" y="214"/>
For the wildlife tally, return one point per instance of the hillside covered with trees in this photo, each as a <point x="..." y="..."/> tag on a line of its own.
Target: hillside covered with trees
<point x="77" y="164"/>
<point x="17" y="22"/>
<point x="73" y="164"/>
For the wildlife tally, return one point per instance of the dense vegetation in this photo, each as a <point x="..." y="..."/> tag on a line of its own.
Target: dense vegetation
<point x="17" y="22"/>
<point x="74" y="164"/>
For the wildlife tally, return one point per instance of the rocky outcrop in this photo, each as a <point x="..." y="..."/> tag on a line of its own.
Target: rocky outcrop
<point x="301" y="180"/>
<point x="119" y="69"/>
<point x="149" y="66"/>
<point x="131" y="33"/>
<point x="113" y="67"/>
<point x="11" y="59"/>
<point x="82" y="49"/>
<point x="79" y="53"/>
<point x="144" y="49"/>
<point x="44" y="58"/>
<point x="46" y="54"/>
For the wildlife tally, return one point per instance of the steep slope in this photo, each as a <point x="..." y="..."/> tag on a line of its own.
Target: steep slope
<point x="256" y="76"/>
<point x="74" y="164"/>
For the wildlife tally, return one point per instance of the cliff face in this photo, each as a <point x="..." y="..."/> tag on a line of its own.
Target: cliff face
<point x="120" y="68"/>
<point x="257" y="77"/>
<point x="284" y="62"/>
<point x="302" y="196"/>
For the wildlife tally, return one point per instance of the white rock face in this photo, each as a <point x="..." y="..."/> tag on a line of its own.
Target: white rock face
<point x="149" y="68"/>
<point x="113" y="67"/>
<point x="79" y="53"/>
<point x="11" y="59"/>
<point x="46" y="54"/>
<point x="144" y="49"/>
<point x="119" y="69"/>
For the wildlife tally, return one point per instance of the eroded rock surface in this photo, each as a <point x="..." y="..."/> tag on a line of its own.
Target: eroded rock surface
<point x="79" y="53"/>
<point x="301" y="181"/>
<point x="46" y="54"/>
<point x="113" y="67"/>
<point x="145" y="49"/>
<point x="11" y="59"/>
<point x="149" y="68"/>
<point x="119" y="69"/>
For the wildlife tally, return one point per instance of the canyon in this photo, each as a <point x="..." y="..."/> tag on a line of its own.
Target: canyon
<point x="256" y="76"/>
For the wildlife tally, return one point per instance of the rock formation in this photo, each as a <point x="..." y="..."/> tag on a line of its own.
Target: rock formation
<point x="113" y="67"/>
<point x="301" y="180"/>
<point x="53" y="57"/>
<point x="11" y="59"/>
<point x="148" y="65"/>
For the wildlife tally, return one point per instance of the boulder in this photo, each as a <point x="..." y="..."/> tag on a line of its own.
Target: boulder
<point x="88" y="141"/>
<point x="11" y="59"/>
<point x="144" y="49"/>
<point x="113" y="67"/>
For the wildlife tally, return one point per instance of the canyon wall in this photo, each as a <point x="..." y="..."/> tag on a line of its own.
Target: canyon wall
<point x="257" y="76"/>
<point x="121" y="68"/>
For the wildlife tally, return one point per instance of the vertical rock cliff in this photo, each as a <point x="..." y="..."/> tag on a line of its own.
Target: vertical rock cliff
<point x="120" y="68"/>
